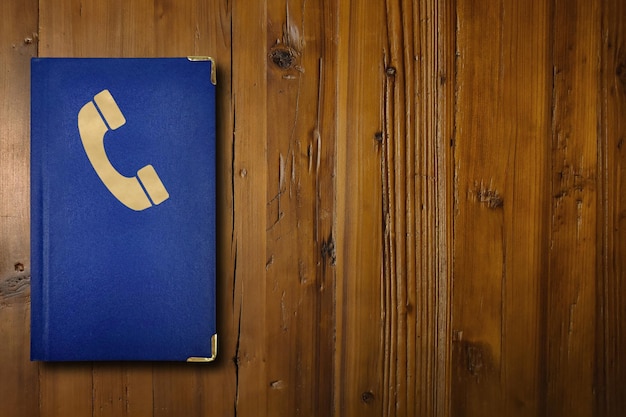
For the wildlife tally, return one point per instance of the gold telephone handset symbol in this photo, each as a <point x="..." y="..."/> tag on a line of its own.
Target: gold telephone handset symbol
<point x="92" y="128"/>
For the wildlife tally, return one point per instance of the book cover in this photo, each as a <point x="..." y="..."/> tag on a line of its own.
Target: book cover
<point x="123" y="209"/>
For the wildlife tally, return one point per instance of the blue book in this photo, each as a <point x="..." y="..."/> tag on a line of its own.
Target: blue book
<point x="123" y="209"/>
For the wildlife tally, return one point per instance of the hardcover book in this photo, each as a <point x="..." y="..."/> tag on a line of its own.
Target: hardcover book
<point x="123" y="209"/>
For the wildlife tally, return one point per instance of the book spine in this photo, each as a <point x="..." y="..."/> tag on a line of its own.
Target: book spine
<point x="38" y="212"/>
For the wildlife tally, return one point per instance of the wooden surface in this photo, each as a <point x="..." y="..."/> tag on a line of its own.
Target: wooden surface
<point x="421" y="207"/>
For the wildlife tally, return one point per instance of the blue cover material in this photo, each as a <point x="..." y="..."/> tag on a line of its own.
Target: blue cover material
<point x="123" y="209"/>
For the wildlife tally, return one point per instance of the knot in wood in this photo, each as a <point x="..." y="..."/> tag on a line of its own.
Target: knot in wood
<point x="390" y="71"/>
<point x="367" y="397"/>
<point x="283" y="57"/>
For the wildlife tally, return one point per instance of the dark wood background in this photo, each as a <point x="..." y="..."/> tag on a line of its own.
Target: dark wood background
<point x="422" y="207"/>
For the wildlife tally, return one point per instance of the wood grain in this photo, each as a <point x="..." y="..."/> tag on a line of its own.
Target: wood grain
<point x="300" y="256"/>
<point x="421" y="207"/>
<point x="571" y="288"/>
<point x="250" y="185"/>
<point x="359" y="380"/>
<point x="120" y="390"/>
<point x="416" y="167"/>
<point x="500" y="225"/>
<point x="611" y="291"/>
<point x="19" y="383"/>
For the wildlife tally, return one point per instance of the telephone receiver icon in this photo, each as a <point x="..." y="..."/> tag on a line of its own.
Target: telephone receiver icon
<point x="137" y="193"/>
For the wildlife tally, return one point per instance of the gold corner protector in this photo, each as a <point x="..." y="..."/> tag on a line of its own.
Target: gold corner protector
<point x="213" y="69"/>
<point x="198" y="359"/>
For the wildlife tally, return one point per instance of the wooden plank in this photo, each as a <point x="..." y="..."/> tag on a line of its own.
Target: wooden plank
<point x="413" y="158"/>
<point x="249" y="184"/>
<point x="300" y="255"/>
<point x="399" y="198"/>
<point x="500" y="224"/>
<point x="19" y="382"/>
<point x="215" y="38"/>
<point x="611" y="328"/>
<point x="359" y="382"/>
<point x="434" y="37"/>
<point x="417" y="111"/>
<point x="444" y="69"/>
<point x="571" y="287"/>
